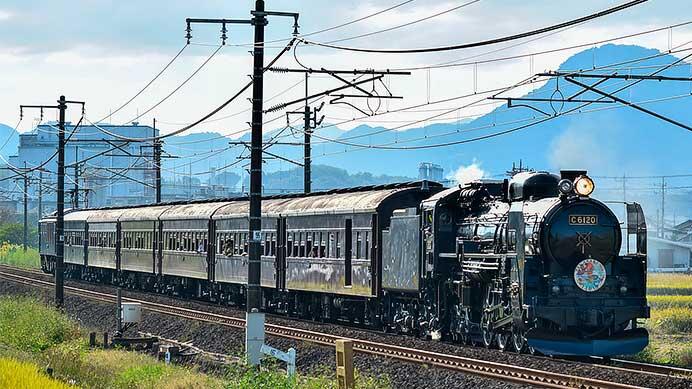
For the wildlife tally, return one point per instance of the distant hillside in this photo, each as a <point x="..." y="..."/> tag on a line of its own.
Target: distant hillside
<point x="323" y="177"/>
<point x="607" y="139"/>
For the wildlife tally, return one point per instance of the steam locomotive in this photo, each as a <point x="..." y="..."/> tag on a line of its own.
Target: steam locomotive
<point x="527" y="263"/>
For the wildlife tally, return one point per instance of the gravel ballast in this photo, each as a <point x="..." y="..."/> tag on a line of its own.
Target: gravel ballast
<point x="312" y="358"/>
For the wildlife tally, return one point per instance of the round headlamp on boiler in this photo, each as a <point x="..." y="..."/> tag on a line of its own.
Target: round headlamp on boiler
<point x="581" y="185"/>
<point x="584" y="185"/>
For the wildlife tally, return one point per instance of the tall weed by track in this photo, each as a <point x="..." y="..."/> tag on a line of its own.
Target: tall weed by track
<point x="666" y="301"/>
<point x="16" y="374"/>
<point x="28" y="325"/>
<point x="669" y="284"/>
<point x="14" y="255"/>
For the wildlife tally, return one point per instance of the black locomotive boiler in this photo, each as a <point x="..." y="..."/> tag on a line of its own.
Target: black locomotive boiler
<point x="527" y="263"/>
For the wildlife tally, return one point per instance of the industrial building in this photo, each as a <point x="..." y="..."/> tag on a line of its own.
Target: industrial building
<point x="109" y="170"/>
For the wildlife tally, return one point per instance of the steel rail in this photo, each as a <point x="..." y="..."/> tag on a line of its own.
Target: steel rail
<point x="487" y="369"/>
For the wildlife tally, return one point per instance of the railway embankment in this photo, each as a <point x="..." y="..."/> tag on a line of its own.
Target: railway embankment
<point x="45" y="348"/>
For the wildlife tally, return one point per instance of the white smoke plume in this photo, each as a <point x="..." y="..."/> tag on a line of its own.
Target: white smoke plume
<point x="468" y="173"/>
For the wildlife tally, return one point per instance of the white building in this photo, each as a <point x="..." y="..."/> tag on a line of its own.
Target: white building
<point x="111" y="171"/>
<point x="669" y="255"/>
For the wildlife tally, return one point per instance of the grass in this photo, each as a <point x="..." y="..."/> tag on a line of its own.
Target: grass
<point x="669" y="284"/>
<point x="658" y="302"/>
<point x="28" y="325"/>
<point x="75" y="361"/>
<point x="17" y="374"/>
<point x="14" y="255"/>
<point x="670" y="325"/>
<point x="33" y="335"/>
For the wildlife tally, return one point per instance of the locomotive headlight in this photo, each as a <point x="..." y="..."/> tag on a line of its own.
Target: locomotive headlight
<point x="556" y="289"/>
<point x="565" y="186"/>
<point x="623" y="289"/>
<point x="583" y="185"/>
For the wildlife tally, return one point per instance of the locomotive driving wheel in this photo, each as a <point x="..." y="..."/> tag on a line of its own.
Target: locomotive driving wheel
<point x="518" y="341"/>
<point x="487" y="333"/>
<point x="503" y="340"/>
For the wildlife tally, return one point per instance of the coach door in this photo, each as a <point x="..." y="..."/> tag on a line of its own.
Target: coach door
<point x="280" y="261"/>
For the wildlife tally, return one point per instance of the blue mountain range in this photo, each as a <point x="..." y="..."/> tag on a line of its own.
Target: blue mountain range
<point x="605" y="138"/>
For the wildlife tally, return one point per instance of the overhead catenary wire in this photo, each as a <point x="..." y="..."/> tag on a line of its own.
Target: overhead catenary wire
<point x="407" y="24"/>
<point x="176" y="89"/>
<point x="205" y="117"/>
<point x="677" y="49"/>
<point x="487" y="136"/>
<point x="44" y="163"/>
<point x="147" y="85"/>
<point x="485" y="42"/>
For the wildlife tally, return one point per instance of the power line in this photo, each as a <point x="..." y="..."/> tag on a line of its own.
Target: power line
<point x="486" y="42"/>
<point x="205" y="117"/>
<point x="145" y="86"/>
<point x="44" y="163"/>
<point x="457" y="63"/>
<point x="527" y="81"/>
<point x="200" y="67"/>
<point x="405" y="24"/>
<point x="386" y="147"/>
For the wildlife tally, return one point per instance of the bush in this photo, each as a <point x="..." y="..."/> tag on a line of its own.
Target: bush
<point x="28" y="325"/>
<point x="15" y="374"/>
<point x="14" y="233"/>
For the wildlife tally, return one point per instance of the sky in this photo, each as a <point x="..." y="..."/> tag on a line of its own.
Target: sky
<point x="104" y="51"/>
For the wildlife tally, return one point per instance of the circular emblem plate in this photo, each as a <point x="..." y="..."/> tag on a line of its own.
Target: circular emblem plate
<point x="589" y="275"/>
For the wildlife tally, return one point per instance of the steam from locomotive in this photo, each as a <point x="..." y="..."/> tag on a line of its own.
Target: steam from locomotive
<point x="527" y="263"/>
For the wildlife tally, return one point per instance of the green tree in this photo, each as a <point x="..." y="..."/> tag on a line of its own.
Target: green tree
<point x="14" y="233"/>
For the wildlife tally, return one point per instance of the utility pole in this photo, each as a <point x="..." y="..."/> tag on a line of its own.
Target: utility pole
<point x="40" y="194"/>
<point x="26" y="207"/>
<point x="60" y="210"/>
<point x="254" y="333"/>
<point x="60" y="201"/>
<point x="157" y="164"/>
<point x="663" y="207"/>
<point x="310" y="122"/>
<point x="624" y="187"/>
<point x="307" y="160"/>
<point x="76" y="177"/>
<point x="40" y="203"/>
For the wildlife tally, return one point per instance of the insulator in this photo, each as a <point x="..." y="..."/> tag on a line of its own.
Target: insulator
<point x="275" y="108"/>
<point x="188" y="34"/>
<point x="278" y="70"/>
<point x="224" y="30"/>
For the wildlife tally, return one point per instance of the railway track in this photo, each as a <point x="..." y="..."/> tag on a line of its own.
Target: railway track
<point x="494" y="370"/>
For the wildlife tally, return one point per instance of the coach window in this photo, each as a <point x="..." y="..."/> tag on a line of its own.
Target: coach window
<point x="338" y="245"/>
<point x="358" y="245"/>
<point x="272" y="247"/>
<point x="367" y="245"/>
<point x="323" y="244"/>
<point x="308" y="244"/>
<point x="289" y="244"/>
